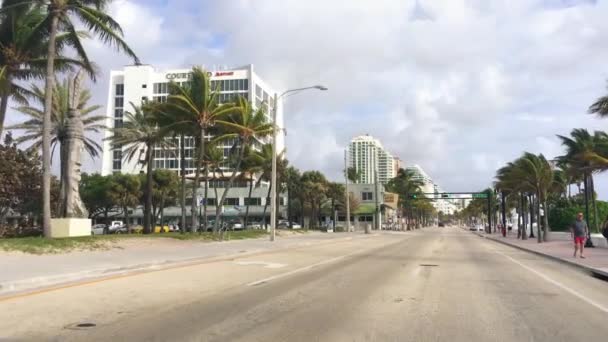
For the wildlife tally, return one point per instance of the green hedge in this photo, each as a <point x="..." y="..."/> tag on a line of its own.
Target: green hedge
<point x="563" y="213"/>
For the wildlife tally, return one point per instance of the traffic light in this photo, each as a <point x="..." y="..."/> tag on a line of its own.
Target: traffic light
<point x="413" y="196"/>
<point x="445" y="195"/>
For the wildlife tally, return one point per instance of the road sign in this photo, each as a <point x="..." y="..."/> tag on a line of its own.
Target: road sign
<point x="480" y="195"/>
<point x="445" y="195"/>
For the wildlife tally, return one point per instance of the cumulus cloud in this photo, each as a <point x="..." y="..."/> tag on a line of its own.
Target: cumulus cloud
<point x="457" y="86"/>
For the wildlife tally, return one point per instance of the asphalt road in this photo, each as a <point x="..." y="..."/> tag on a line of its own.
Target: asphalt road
<point x="438" y="284"/>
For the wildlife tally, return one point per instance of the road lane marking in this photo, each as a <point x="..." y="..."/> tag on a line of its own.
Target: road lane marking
<point x="305" y="268"/>
<point x="557" y="283"/>
<point x="262" y="263"/>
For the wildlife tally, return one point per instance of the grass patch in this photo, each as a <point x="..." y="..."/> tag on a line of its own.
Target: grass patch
<point x="40" y="245"/>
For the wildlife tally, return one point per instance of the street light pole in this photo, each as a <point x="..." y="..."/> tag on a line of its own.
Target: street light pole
<point x="273" y="178"/>
<point x="347" y="195"/>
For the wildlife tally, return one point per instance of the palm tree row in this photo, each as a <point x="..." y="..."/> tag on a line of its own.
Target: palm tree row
<point x="532" y="179"/>
<point x="34" y="35"/>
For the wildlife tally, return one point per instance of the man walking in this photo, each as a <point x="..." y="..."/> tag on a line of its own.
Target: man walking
<point x="579" y="232"/>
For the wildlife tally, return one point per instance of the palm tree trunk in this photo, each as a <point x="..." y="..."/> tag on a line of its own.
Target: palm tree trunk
<point x="182" y="224"/>
<point x="63" y="159"/>
<point x="205" y="217"/>
<point x="197" y="178"/>
<point x="594" y="201"/>
<point x="546" y="228"/>
<point x="266" y="207"/>
<point x="162" y="212"/>
<point x="127" y="224"/>
<point x="302" y="205"/>
<point x="248" y="201"/>
<point x="3" y="106"/>
<point x="46" y="126"/>
<point x="148" y="193"/>
<point x="531" y="202"/>
<point x="539" y="236"/>
<point x="229" y="185"/>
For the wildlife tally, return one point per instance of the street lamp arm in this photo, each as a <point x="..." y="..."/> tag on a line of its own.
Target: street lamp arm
<point x="319" y="87"/>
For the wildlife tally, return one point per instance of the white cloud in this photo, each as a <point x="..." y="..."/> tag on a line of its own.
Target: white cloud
<point x="469" y="87"/>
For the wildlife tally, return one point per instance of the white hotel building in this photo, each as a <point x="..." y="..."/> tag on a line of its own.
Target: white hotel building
<point x="140" y="83"/>
<point x="367" y="155"/>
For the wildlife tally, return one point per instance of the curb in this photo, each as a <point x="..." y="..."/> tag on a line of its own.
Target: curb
<point x="589" y="269"/>
<point x="35" y="285"/>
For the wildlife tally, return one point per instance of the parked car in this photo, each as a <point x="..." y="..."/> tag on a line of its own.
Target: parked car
<point x="285" y="224"/>
<point x="441" y="224"/>
<point x="234" y="225"/>
<point x="254" y="225"/>
<point x="98" y="229"/>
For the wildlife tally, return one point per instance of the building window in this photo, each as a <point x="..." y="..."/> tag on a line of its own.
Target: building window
<point x="118" y="113"/>
<point x="120" y="89"/>
<point x="253" y="201"/>
<point x="144" y="99"/>
<point x="116" y="165"/>
<point x="117" y="123"/>
<point x="258" y="91"/>
<point x="144" y="86"/>
<point x="231" y="201"/>
<point x="159" y="99"/>
<point x="160" y="88"/>
<point x="367" y="196"/>
<point x="118" y="102"/>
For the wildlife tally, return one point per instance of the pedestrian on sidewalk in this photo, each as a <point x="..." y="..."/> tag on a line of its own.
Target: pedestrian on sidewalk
<point x="579" y="231"/>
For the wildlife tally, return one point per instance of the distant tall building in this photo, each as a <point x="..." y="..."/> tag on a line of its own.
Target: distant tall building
<point x="367" y="155"/>
<point x="433" y="190"/>
<point x="397" y="164"/>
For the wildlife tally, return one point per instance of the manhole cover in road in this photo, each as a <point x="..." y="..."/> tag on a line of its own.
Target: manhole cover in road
<point x="80" y="326"/>
<point x="429" y="265"/>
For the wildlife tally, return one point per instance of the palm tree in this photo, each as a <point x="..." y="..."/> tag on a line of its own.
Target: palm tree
<point x="251" y="166"/>
<point x="586" y="154"/>
<point x="23" y="48"/>
<point x="536" y="172"/>
<point x="92" y="122"/>
<point x="294" y="190"/>
<point x="197" y="106"/>
<point x="140" y="129"/>
<point x="246" y="125"/>
<point x="214" y="158"/>
<point x="406" y="184"/>
<point x="59" y="18"/>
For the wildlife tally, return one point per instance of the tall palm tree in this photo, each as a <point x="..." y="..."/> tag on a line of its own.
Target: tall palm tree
<point x="214" y="158"/>
<point x="251" y="166"/>
<point x="60" y="17"/>
<point x="196" y="105"/>
<point x="536" y="172"/>
<point x="406" y="184"/>
<point x="140" y="129"/>
<point x="586" y="153"/>
<point x="245" y="124"/>
<point x="32" y="128"/>
<point x="23" y="49"/>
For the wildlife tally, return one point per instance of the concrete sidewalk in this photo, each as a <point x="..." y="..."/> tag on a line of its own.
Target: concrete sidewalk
<point x="596" y="261"/>
<point x="25" y="272"/>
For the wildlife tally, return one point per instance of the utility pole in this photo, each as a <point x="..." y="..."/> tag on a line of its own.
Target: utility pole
<point x="346" y="193"/>
<point x="504" y="217"/>
<point x="377" y="200"/>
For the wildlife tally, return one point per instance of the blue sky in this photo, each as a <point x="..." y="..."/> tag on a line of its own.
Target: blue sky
<point x="457" y="86"/>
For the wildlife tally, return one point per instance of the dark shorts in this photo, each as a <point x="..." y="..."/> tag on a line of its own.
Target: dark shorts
<point x="579" y="239"/>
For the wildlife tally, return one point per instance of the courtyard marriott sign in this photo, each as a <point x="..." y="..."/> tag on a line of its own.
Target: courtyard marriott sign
<point x="188" y="75"/>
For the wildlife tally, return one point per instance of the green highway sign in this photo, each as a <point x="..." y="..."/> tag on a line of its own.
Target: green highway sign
<point x="480" y="195"/>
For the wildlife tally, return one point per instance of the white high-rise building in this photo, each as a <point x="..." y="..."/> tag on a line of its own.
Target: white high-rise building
<point x="367" y="155"/>
<point x="140" y="83"/>
<point x="419" y="174"/>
